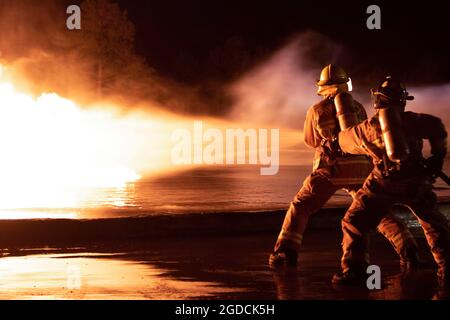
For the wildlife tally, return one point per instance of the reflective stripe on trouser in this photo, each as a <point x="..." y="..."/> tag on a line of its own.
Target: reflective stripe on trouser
<point x="315" y="192"/>
<point x="368" y="210"/>
<point x="317" y="189"/>
<point x="393" y="229"/>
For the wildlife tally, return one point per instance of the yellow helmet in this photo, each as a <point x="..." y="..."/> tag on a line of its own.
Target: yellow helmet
<point x="332" y="74"/>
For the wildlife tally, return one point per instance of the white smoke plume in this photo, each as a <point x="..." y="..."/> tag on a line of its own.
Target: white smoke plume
<point x="280" y="90"/>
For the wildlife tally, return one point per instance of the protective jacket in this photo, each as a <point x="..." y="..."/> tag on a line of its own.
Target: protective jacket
<point x="366" y="138"/>
<point x="321" y="127"/>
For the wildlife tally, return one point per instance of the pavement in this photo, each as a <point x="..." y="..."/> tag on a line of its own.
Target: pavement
<point x="202" y="267"/>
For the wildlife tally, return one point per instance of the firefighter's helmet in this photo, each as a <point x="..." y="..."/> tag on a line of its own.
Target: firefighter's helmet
<point x="390" y="92"/>
<point x="332" y="74"/>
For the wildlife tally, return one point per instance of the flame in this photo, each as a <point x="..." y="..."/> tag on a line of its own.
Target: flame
<point x="57" y="154"/>
<point x="52" y="150"/>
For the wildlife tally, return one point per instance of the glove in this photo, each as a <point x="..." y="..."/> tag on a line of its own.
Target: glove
<point x="433" y="165"/>
<point x="331" y="145"/>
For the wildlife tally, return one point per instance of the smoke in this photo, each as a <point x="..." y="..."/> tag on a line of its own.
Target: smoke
<point x="95" y="64"/>
<point x="280" y="90"/>
<point x="98" y="66"/>
<point x="32" y="46"/>
<point x="431" y="99"/>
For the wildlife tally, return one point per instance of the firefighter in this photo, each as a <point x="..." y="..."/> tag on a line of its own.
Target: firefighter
<point x="331" y="172"/>
<point x="393" y="138"/>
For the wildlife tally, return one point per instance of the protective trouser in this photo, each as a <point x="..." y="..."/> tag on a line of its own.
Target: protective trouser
<point x="369" y="207"/>
<point x="317" y="189"/>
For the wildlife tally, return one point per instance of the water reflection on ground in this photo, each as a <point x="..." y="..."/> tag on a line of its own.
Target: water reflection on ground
<point x="203" y="268"/>
<point x="93" y="276"/>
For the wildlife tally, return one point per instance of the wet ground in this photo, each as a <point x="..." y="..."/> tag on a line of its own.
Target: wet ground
<point x="201" y="268"/>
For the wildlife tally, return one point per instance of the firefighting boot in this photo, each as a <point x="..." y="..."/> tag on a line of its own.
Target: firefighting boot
<point x="350" y="278"/>
<point x="283" y="259"/>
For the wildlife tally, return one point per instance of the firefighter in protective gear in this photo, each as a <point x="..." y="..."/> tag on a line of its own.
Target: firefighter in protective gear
<point x="406" y="179"/>
<point x="331" y="172"/>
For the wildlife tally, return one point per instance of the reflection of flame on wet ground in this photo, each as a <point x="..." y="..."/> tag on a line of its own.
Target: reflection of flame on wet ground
<point x="94" y="276"/>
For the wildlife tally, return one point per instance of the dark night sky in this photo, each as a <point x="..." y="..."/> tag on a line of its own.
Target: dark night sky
<point x="413" y="42"/>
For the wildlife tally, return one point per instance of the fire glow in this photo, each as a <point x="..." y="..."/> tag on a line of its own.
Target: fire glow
<point x="51" y="149"/>
<point x="56" y="154"/>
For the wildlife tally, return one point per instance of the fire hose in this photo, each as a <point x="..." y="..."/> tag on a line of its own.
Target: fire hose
<point x="444" y="177"/>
